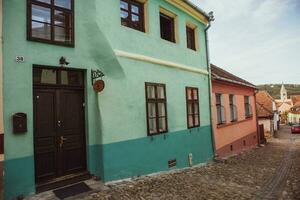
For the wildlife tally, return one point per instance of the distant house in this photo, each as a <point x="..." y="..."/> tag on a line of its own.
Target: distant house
<point x="283" y="104"/>
<point x="294" y="113"/>
<point x="233" y="111"/>
<point x="267" y="113"/>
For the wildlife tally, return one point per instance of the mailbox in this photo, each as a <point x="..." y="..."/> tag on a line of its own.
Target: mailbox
<point x="19" y="121"/>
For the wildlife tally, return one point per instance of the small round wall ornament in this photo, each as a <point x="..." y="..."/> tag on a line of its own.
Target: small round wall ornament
<point x="98" y="86"/>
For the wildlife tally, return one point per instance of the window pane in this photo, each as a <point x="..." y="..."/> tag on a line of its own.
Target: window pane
<point x="196" y="120"/>
<point x="167" y="28"/>
<point x="195" y="94"/>
<point x="218" y="99"/>
<point x="45" y="1"/>
<point x="190" y="108"/>
<point x="48" y="76"/>
<point x="134" y="9"/>
<point x="135" y="18"/>
<point x="63" y="3"/>
<point x="152" y="126"/>
<point x="62" y="34"/>
<point x="151" y="110"/>
<point x="189" y="94"/>
<point x="124" y="14"/>
<point x="160" y="92"/>
<point x="162" y="124"/>
<point x="41" y="30"/>
<point x="41" y="14"/>
<point x="151" y="92"/>
<point x="71" y="78"/>
<point x="190" y="121"/>
<point x="124" y="5"/>
<point x="63" y="19"/>
<point x="161" y="110"/>
<point x="196" y="108"/>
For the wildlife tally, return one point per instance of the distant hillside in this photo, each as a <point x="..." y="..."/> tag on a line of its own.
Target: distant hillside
<point x="274" y="89"/>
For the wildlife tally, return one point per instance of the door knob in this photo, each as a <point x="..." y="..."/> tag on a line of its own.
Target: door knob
<point x="61" y="142"/>
<point x="58" y="123"/>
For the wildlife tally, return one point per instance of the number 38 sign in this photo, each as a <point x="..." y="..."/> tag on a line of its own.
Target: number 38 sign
<point x="20" y="59"/>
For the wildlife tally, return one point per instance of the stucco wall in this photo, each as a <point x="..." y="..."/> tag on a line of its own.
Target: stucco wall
<point x="230" y="132"/>
<point x="266" y="123"/>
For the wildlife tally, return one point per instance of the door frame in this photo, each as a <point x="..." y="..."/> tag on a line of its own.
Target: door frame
<point x="72" y="178"/>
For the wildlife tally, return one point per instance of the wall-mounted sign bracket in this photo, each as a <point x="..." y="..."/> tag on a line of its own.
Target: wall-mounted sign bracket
<point x="95" y="74"/>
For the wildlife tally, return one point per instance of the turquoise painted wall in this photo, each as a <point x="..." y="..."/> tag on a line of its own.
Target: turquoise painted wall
<point x="115" y="118"/>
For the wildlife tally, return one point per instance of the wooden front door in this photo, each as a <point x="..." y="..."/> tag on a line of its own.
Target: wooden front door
<point x="59" y="133"/>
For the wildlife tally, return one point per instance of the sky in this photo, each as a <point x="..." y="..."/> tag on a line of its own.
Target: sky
<point x="258" y="40"/>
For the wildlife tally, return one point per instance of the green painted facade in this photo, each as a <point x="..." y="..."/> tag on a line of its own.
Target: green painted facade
<point x="116" y="129"/>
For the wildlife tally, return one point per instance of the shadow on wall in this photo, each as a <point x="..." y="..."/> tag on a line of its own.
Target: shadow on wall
<point x="99" y="48"/>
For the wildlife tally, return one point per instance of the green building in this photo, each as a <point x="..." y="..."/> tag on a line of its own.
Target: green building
<point x="152" y="115"/>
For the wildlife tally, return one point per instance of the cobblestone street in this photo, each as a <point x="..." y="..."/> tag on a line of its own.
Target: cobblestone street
<point x="270" y="172"/>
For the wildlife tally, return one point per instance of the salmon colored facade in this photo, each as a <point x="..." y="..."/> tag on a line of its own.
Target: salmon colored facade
<point x="233" y="136"/>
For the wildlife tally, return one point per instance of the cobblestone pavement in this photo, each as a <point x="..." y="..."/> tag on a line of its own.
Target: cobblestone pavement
<point x="270" y="172"/>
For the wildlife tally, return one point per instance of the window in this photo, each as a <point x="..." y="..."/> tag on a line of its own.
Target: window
<point x="190" y="37"/>
<point x="52" y="76"/>
<point x="132" y="14"/>
<point x="156" y="106"/>
<point x="192" y="106"/>
<point x="167" y="27"/>
<point x="220" y="109"/>
<point x="248" y="109"/>
<point x="51" y="21"/>
<point x="233" y="108"/>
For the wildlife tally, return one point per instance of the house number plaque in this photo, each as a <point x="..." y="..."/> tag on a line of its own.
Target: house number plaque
<point x="20" y="59"/>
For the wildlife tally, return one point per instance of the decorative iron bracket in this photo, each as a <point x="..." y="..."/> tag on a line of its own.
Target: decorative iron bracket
<point x="95" y="74"/>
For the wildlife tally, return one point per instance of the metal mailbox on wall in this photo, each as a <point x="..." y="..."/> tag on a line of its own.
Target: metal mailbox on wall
<point x="19" y="121"/>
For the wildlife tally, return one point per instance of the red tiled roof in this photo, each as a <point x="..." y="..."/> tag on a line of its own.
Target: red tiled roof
<point x="264" y="104"/>
<point x="263" y="112"/>
<point x="295" y="99"/>
<point x="221" y="74"/>
<point x="296" y="108"/>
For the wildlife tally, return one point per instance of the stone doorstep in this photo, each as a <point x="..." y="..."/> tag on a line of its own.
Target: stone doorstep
<point x="96" y="186"/>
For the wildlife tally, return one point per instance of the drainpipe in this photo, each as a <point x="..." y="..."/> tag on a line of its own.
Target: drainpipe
<point x="211" y="18"/>
<point x="257" y="126"/>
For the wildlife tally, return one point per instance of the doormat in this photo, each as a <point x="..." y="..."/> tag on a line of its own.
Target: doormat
<point x="72" y="190"/>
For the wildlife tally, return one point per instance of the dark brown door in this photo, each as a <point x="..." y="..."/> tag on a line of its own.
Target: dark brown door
<point x="59" y="137"/>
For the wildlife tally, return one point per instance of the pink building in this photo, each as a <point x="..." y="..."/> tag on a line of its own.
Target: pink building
<point x="234" y="113"/>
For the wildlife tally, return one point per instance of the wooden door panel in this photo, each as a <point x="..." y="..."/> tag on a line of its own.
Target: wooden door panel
<point x="45" y="134"/>
<point x="72" y="131"/>
<point x="45" y="113"/>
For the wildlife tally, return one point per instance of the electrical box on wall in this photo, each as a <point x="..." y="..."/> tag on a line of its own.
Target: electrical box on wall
<point x="19" y="121"/>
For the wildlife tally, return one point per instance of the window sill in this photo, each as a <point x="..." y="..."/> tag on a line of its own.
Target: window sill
<point x="70" y="45"/>
<point x="233" y="123"/>
<point x="156" y="134"/>
<point x="169" y="42"/>
<point x="191" y="127"/>
<point x="137" y="30"/>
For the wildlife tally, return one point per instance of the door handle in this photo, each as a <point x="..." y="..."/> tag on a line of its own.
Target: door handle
<point x="58" y="123"/>
<point x="61" y="142"/>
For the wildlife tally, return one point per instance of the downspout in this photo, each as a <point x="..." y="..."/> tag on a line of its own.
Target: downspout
<point x="211" y="18"/>
<point x="257" y="126"/>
